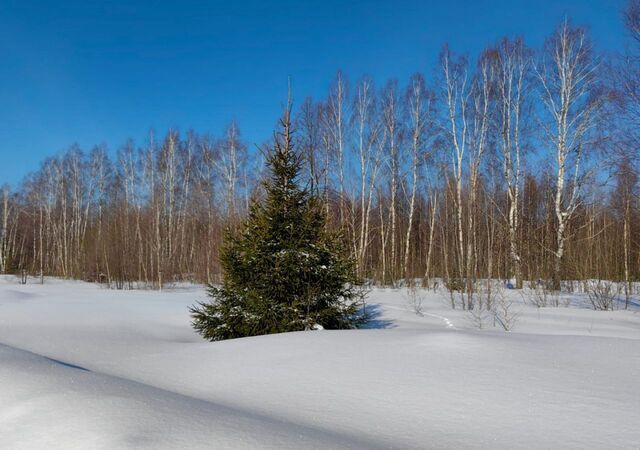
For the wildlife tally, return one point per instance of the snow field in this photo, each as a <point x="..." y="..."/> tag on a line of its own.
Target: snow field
<point x="85" y="367"/>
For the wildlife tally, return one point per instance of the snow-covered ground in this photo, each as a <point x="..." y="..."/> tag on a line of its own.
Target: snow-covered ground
<point x="85" y="367"/>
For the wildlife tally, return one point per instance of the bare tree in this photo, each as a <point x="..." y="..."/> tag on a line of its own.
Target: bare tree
<point x="4" y="224"/>
<point x="480" y="95"/>
<point x="229" y="156"/>
<point x="370" y="142"/>
<point x="456" y="99"/>
<point x="337" y="118"/>
<point x="512" y="61"/>
<point x="308" y="125"/>
<point x="624" y="196"/>
<point x="392" y="125"/>
<point x="433" y="211"/>
<point x="418" y="105"/>
<point x="571" y="96"/>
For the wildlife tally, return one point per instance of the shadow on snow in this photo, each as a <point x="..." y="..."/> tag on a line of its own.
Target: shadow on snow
<point x="372" y="312"/>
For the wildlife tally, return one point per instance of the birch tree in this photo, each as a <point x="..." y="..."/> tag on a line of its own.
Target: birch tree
<point x="337" y="119"/>
<point x="456" y="99"/>
<point x="4" y="228"/>
<point x="480" y="95"/>
<point x="571" y="96"/>
<point x="512" y="61"/>
<point x="418" y="104"/>
<point x="369" y="137"/>
<point x="229" y="158"/>
<point x="392" y="126"/>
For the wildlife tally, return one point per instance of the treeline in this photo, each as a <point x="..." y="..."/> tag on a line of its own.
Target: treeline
<point x="520" y="164"/>
<point x="149" y="215"/>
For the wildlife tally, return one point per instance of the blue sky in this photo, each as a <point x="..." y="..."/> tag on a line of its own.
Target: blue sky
<point x="99" y="72"/>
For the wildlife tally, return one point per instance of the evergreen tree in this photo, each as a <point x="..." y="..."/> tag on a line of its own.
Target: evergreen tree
<point x="283" y="271"/>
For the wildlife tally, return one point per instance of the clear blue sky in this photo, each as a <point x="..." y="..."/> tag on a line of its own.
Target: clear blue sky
<point x="96" y="72"/>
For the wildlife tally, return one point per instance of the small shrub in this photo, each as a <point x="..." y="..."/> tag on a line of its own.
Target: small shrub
<point x="541" y="294"/>
<point x="603" y="295"/>
<point x="492" y="305"/>
<point x="415" y="298"/>
<point x="504" y="311"/>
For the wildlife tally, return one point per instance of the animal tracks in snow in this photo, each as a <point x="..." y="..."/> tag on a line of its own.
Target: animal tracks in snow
<point x="446" y="321"/>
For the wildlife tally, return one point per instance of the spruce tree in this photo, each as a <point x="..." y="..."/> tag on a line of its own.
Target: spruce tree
<point x="283" y="271"/>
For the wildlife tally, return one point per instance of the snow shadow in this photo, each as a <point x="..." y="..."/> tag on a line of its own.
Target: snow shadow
<point x="633" y="303"/>
<point x="66" y="364"/>
<point x="373" y="312"/>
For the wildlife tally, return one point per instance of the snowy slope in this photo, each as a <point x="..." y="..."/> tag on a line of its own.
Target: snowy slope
<point x="85" y="367"/>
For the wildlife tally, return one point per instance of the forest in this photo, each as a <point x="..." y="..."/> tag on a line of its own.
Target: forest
<point x="519" y="163"/>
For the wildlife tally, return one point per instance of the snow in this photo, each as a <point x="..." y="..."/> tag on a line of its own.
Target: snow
<point x="86" y="367"/>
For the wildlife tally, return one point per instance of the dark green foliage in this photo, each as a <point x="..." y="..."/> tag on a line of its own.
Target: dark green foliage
<point x="283" y="271"/>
